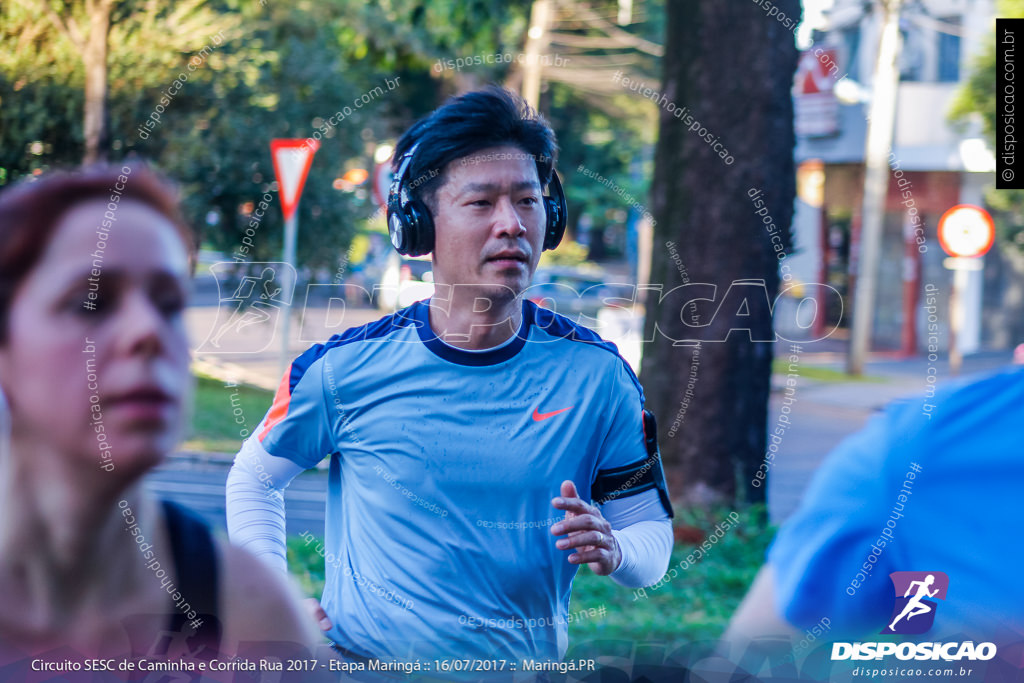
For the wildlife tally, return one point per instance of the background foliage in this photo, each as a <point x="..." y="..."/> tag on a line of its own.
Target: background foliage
<point x="281" y="71"/>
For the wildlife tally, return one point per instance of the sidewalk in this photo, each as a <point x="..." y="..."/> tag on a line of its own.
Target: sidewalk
<point x="251" y="353"/>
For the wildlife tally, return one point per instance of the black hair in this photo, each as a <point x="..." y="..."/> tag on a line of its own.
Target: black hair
<point x="468" y="123"/>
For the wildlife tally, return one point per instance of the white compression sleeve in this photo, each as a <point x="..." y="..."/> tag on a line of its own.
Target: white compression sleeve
<point x="644" y="533"/>
<point x="255" y="502"/>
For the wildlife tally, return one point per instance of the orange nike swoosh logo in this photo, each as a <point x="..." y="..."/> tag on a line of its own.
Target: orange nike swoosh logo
<point x="537" y="416"/>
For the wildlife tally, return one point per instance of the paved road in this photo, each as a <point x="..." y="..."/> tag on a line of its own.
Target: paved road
<point x="199" y="486"/>
<point x="816" y="430"/>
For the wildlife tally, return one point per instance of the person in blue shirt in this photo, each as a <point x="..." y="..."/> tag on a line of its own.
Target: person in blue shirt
<point x="927" y="486"/>
<point x="481" y="448"/>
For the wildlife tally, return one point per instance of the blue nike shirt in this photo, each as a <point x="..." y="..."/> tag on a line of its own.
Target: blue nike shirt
<point x="443" y="464"/>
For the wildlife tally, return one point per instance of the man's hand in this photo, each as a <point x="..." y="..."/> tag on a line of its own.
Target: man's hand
<point x="588" y="532"/>
<point x="316" y="611"/>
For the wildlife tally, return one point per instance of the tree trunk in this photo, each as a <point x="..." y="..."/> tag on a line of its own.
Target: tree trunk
<point x="731" y="67"/>
<point x="94" y="58"/>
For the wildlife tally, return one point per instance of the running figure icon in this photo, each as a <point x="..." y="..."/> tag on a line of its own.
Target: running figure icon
<point x="251" y="304"/>
<point x="915" y="607"/>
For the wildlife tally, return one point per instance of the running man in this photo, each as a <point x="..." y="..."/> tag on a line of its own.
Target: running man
<point x="481" y="448"/>
<point x="915" y="606"/>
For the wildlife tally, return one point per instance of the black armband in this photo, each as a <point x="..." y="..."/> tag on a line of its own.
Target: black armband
<point x="636" y="477"/>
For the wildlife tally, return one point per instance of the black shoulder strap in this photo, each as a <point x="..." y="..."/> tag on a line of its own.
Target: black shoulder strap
<point x="195" y="564"/>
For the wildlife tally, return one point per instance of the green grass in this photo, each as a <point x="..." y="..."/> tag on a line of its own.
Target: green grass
<point x="821" y="374"/>
<point x="694" y="606"/>
<point x="306" y="566"/>
<point x="214" y="427"/>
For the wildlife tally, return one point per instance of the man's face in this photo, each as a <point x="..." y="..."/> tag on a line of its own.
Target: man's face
<point x="489" y="223"/>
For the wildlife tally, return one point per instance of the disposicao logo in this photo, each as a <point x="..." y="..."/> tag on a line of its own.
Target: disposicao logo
<point x="914" y="614"/>
<point x="914" y="611"/>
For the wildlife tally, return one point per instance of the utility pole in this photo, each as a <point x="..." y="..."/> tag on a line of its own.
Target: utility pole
<point x="876" y="183"/>
<point x="291" y="229"/>
<point x="625" y="15"/>
<point x="536" y="46"/>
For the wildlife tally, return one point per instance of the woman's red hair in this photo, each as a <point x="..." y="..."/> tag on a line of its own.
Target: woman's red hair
<point x="30" y="212"/>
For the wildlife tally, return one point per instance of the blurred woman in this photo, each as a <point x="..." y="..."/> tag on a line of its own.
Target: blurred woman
<point x="95" y="269"/>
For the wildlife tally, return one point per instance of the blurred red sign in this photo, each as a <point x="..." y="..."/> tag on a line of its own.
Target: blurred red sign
<point x="816" y="108"/>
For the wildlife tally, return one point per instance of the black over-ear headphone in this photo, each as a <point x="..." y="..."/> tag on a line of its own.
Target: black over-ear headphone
<point x="412" y="228"/>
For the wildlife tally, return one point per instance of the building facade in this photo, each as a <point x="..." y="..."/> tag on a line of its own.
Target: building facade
<point x="934" y="165"/>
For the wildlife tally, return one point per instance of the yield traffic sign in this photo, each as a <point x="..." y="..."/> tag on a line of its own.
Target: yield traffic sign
<point x="292" y="159"/>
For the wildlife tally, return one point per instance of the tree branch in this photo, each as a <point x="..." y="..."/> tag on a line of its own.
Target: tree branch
<point x="616" y="33"/>
<point x="69" y="28"/>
